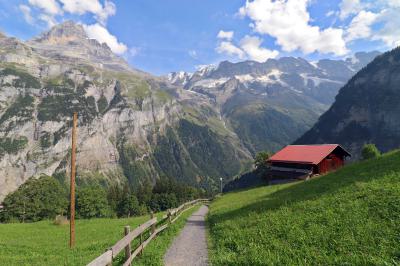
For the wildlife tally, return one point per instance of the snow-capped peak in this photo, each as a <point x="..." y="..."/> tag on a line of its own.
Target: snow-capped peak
<point x="203" y="70"/>
<point x="179" y="78"/>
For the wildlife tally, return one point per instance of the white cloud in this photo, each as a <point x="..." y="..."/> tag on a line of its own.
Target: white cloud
<point x="50" y="20"/>
<point x="360" y="26"/>
<point x="108" y="11"/>
<point x="228" y="35"/>
<point x="378" y="20"/>
<point x="26" y="11"/>
<point x="48" y="6"/>
<point x="288" y="22"/>
<point x="393" y="3"/>
<point x="389" y="33"/>
<point x="133" y="51"/>
<point x="251" y="46"/>
<point x="45" y="17"/>
<point x="193" y="54"/>
<point x="349" y="7"/>
<point x="100" y="33"/>
<point x="81" y="7"/>
<point x="330" y="13"/>
<point x="226" y="47"/>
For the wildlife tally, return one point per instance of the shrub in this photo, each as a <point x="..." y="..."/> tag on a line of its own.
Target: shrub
<point x="163" y="201"/>
<point x="129" y="206"/>
<point x="261" y="159"/>
<point x="36" y="199"/>
<point x="370" y="151"/>
<point x="260" y="162"/>
<point x="92" y="202"/>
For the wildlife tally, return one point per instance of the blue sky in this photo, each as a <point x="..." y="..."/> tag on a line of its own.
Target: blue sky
<point x="160" y="36"/>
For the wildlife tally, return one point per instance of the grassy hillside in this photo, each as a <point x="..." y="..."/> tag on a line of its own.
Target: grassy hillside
<point x="43" y="243"/>
<point x="350" y="217"/>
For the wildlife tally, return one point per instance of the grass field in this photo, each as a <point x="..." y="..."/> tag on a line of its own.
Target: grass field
<point x="43" y="243"/>
<point x="350" y="217"/>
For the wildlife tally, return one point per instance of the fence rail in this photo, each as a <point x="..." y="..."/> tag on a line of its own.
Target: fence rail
<point x="124" y="243"/>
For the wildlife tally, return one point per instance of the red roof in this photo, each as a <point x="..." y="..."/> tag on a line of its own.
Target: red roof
<point x="306" y="154"/>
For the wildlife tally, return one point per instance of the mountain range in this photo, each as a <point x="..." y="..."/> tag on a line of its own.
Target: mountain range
<point x="366" y="109"/>
<point x="134" y="126"/>
<point x="271" y="104"/>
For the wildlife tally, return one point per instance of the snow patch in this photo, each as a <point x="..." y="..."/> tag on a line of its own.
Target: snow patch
<point x="317" y="81"/>
<point x="211" y="83"/>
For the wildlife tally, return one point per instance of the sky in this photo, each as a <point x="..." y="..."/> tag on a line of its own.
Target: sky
<point x="161" y="36"/>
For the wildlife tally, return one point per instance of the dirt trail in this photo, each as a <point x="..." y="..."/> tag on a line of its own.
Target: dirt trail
<point x="190" y="247"/>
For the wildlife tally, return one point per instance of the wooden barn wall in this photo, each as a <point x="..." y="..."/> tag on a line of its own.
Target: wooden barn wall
<point x="332" y="162"/>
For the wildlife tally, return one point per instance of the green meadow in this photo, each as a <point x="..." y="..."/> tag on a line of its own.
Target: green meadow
<point x="349" y="217"/>
<point x="44" y="243"/>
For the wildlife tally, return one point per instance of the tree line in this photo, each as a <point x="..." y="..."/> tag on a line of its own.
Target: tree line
<point x="45" y="198"/>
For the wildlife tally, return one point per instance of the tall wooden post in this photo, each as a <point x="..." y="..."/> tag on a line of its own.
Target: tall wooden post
<point x="72" y="193"/>
<point x="128" y="247"/>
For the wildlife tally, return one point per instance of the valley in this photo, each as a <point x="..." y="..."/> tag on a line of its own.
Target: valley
<point x="134" y="126"/>
<point x="179" y="133"/>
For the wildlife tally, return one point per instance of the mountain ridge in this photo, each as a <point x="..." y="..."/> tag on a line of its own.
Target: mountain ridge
<point x="365" y="110"/>
<point x="250" y="96"/>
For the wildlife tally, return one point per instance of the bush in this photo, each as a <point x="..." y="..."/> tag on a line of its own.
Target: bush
<point x="92" y="202"/>
<point x="261" y="159"/>
<point x="163" y="201"/>
<point x="260" y="162"/>
<point x="36" y="199"/>
<point x="129" y="206"/>
<point x="370" y="151"/>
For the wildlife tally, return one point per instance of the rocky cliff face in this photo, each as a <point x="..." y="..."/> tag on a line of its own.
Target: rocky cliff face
<point x="269" y="105"/>
<point x="366" y="109"/>
<point x="132" y="126"/>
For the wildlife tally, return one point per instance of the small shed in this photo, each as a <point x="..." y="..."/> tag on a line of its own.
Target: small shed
<point x="303" y="161"/>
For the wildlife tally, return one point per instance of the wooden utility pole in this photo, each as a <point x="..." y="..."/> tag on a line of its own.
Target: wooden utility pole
<point x="72" y="193"/>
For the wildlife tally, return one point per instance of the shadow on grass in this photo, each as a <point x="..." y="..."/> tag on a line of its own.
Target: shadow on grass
<point x="308" y="190"/>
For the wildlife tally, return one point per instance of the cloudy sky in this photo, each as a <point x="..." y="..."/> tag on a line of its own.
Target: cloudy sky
<point x="160" y="36"/>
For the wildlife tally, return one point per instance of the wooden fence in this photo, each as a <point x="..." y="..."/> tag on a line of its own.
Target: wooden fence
<point x="148" y="228"/>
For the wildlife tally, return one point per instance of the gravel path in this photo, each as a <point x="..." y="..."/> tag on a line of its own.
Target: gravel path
<point x="190" y="247"/>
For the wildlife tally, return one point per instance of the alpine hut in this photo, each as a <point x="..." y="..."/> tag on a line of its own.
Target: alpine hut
<point x="303" y="161"/>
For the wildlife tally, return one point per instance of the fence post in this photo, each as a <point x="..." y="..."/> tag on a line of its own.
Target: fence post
<point x="169" y="217"/>
<point x="110" y="263"/>
<point x="127" y="229"/>
<point x="141" y="244"/>
<point x="153" y="226"/>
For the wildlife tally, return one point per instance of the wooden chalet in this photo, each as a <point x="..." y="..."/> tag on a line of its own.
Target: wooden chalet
<point x="303" y="161"/>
